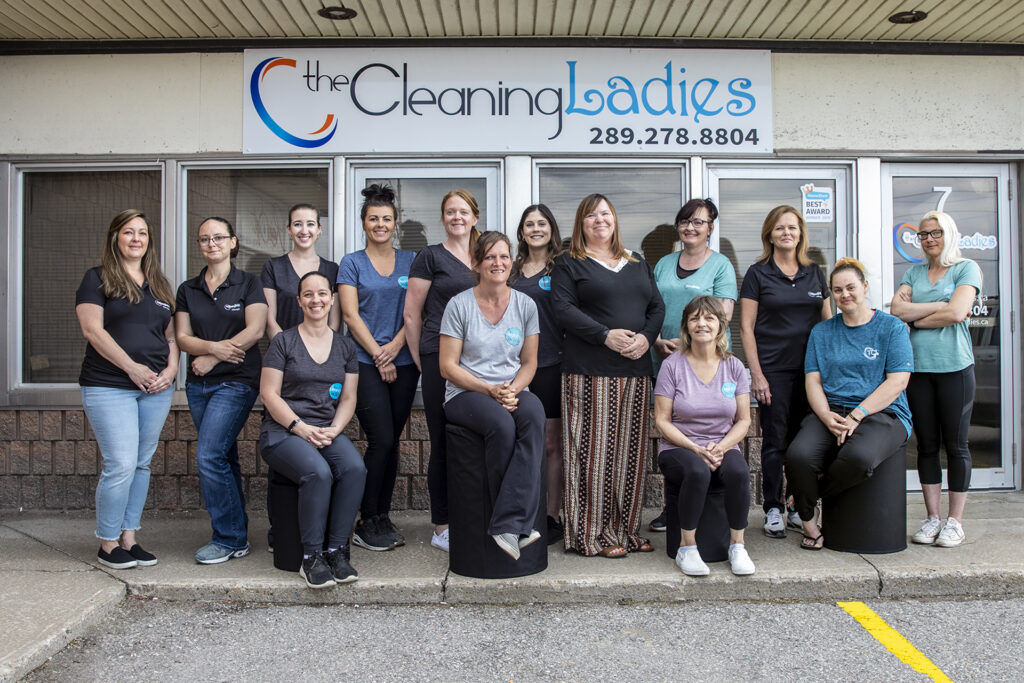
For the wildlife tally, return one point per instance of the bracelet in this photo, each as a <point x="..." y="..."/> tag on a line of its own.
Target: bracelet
<point x="912" y="324"/>
<point x="866" y="413"/>
<point x="294" y="422"/>
<point x="853" y="417"/>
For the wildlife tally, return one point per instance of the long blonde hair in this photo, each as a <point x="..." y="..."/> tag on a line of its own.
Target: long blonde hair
<point x="116" y="281"/>
<point x="578" y="245"/>
<point x="950" y="254"/>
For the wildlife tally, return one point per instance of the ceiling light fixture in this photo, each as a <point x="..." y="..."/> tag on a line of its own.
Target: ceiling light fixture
<point x="337" y="13"/>
<point x="908" y="17"/>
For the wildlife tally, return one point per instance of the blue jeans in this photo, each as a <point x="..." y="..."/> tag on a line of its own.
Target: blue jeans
<point x="219" y="411"/>
<point x="127" y="425"/>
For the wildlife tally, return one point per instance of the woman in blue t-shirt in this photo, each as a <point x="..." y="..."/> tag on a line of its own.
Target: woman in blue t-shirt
<point x="857" y="368"/>
<point x="935" y="299"/>
<point x="539" y="244"/>
<point x="124" y="307"/>
<point x="371" y="289"/>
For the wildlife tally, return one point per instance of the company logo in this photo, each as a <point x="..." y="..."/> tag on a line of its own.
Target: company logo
<point x="335" y="390"/>
<point x="815" y="294"/>
<point x="948" y="291"/>
<point x="513" y="336"/>
<point x="545" y="283"/>
<point x="870" y="353"/>
<point x="697" y="287"/>
<point x="162" y="304"/>
<point x="258" y="74"/>
<point x="729" y="389"/>
<point x="403" y="281"/>
<point x="906" y="233"/>
<point x="233" y="307"/>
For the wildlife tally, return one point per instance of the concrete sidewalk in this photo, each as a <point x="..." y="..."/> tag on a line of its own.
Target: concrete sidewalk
<point x="52" y="588"/>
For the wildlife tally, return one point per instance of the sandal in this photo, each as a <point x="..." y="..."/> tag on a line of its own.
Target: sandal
<point x="613" y="552"/>
<point x="813" y="545"/>
<point x="644" y="548"/>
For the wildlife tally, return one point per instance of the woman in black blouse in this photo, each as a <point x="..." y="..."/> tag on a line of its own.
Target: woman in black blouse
<point x="609" y="305"/>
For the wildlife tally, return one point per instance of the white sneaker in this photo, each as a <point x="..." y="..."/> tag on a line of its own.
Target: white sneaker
<point x="952" y="534"/>
<point x="740" y="561"/>
<point x="509" y="543"/>
<point x="690" y="562"/>
<point x="774" y="526"/>
<point x="524" y="541"/>
<point x="440" y="540"/>
<point x="793" y="520"/>
<point x="928" y="531"/>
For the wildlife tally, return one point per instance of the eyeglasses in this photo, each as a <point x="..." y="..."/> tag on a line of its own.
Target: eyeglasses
<point x="695" y="222"/>
<point x="216" y="239"/>
<point x="934" y="234"/>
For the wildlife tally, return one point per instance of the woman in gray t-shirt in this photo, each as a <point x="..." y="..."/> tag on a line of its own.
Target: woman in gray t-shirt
<point x="488" y="355"/>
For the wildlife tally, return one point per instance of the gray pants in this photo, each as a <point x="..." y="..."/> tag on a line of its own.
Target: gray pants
<point x="330" y="483"/>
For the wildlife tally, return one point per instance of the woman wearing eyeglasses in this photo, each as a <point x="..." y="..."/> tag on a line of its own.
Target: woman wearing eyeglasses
<point x="697" y="270"/>
<point x="935" y="299"/>
<point x="221" y="314"/>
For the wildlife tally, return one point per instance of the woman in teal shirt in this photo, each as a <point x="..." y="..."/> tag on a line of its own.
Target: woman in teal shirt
<point x="935" y="299"/>
<point x="696" y="270"/>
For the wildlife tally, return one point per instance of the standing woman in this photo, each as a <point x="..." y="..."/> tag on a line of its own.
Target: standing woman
<point x="439" y="272"/>
<point x="697" y="270"/>
<point x="280" y="275"/>
<point x="935" y="299"/>
<point x="784" y="295"/>
<point x="609" y="305"/>
<point x="124" y="307"/>
<point x="371" y="287"/>
<point x="221" y="316"/>
<point x="539" y="244"/>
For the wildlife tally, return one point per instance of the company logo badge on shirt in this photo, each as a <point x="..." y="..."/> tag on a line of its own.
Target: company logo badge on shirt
<point x="513" y="336"/>
<point x="948" y="291"/>
<point x="403" y="281"/>
<point x="232" y="307"/>
<point x="697" y="287"/>
<point x="162" y="304"/>
<point x="545" y="283"/>
<point x="870" y="353"/>
<point x="729" y="389"/>
<point x="814" y="295"/>
<point x="335" y="390"/>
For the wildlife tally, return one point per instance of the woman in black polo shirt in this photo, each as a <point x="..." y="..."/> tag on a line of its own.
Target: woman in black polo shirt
<point x="124" y="307"/>
<point x="783" y="296"/>
<point x="221" y="316"/>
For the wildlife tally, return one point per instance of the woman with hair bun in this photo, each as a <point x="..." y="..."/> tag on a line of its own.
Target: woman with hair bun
<point x="221" y="315"/>
<point x="935" y="299"/>
<point x="539" y="245"/>
<point x="857" y="367"/>
<point x="125" y="308"/>
<point x="439" y="272"/>
<point x="371" y="287"/>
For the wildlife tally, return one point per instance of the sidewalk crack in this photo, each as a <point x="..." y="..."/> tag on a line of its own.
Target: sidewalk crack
<point x="444" y="586"/>
<point x="878" y="572"/>
<point x="86" y="566"/>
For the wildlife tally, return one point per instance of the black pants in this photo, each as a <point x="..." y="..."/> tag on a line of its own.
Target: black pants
<point x="941" y="403"/>
<point x="780" y="421"/>
<point x="330" y="483"/>
<point x="383" y="409"/>
<point x="432" y="384"/>
<point x="814" y="452"/>
<point x="514" y="447"/>
<point x="691" y="473"/>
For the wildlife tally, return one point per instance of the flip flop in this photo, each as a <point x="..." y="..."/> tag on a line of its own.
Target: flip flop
<point x="813" y="545"/>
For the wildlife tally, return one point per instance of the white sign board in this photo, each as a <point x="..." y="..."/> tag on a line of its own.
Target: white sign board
<point x="522" y="100"/>
<point x="818" y="203"/>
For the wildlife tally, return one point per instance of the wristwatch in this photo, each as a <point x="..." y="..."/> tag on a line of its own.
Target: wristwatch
<point x="294" y="422"/>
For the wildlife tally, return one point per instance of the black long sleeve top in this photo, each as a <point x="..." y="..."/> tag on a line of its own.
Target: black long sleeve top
<point x="590" y="300"/>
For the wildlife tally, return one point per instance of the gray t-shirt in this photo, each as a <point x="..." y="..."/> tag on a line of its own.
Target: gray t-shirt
<point x="309" y="388"/>
<point x="489" y="352"/>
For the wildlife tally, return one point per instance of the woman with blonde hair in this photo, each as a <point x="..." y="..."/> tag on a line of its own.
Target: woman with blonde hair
<point x="935" y="299"/>
<point x="607" y="300"/>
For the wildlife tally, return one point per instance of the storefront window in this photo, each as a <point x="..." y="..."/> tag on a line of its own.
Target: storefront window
<point x="419" y="208"/>
<point x="64" y="224"/>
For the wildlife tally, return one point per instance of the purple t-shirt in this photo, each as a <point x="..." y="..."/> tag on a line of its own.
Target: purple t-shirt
<point x="703" y="412"/>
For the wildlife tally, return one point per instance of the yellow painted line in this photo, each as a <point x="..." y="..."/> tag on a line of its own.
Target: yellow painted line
<point x="893" y="640"/>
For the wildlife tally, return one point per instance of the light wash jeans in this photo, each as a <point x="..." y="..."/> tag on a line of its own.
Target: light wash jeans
<point x="127" y="424"/>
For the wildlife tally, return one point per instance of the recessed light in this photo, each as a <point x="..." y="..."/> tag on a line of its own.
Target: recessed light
<point x="908" y="17"/>
<point x="337" y="13"/>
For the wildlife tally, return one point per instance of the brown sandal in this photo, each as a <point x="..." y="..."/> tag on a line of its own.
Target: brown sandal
<point x="644" y="548"/>
<point x="613" y="552"/>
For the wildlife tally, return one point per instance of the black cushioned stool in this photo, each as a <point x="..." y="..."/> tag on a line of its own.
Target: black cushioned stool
<point x="283" y="496"/>
<point x="870" y="517"/>
<point x="712" y="529"/>
<point x="471" y="493"/>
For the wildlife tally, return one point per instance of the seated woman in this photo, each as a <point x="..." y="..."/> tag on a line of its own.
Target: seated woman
<point x="857" y="367"/>
<point x="488" y="354"/>
<point x="702" y="411"/>
<point x="308" y="386"/>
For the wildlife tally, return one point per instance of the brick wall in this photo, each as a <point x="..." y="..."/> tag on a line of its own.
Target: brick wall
<point x="49" y="461"/>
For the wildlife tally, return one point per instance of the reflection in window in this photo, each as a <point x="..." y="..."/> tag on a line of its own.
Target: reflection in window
<point x="64" y="225"/>
<point x="419" y="208"/>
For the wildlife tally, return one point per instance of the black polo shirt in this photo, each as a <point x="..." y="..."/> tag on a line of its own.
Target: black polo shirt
<point x="139" y="329"/>
<point x="448" y="276"/>
<point x="221" y="316"/>
<point x="786" y="312"/>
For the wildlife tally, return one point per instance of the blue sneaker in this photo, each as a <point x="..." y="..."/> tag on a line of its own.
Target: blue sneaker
<point x="211" y="553"/>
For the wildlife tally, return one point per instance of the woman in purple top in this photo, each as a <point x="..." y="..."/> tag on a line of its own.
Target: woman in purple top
<point x="702" y="411"/>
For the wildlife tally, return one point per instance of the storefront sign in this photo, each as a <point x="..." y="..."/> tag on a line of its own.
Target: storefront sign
<point x="818" y="205"/>
<point x="499" y="100"/>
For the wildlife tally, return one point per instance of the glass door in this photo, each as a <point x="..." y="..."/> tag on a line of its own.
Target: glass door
<point x="978" y="199"/>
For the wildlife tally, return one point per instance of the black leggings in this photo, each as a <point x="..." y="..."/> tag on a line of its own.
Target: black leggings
<point x="814" y="453"/>
<point x="383" y="409"/>
<point x="941" y="403"/>
<point x="780" y="422"/>
<point x="691" y="472"/>
<point x="432" y="385"/>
